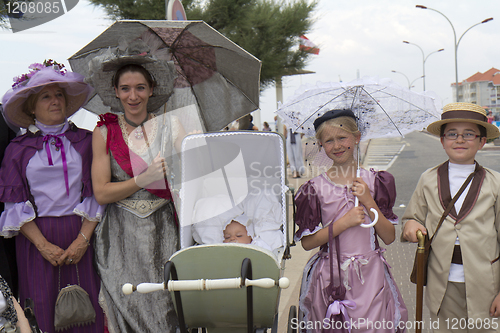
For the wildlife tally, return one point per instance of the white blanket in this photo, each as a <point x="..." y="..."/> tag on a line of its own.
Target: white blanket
<point x="263" y="223"/>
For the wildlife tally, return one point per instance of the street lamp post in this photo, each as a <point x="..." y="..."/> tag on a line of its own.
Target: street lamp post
<point x="410" y="84"/>
<point x="455" y="41"/>
<point x="424" y="59"/>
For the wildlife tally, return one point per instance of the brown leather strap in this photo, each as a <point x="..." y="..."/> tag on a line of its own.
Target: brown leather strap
<point x="452" y="203"/>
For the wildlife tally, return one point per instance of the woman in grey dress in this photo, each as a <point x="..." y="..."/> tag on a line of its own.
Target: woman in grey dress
<point x="131" y="153"/>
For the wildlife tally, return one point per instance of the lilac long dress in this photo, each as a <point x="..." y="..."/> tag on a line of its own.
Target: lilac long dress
<point x="36" y="188"/>
<point x="379" y="306"/>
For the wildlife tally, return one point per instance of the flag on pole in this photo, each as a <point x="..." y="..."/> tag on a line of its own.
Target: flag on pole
<point x="308" y="46"/>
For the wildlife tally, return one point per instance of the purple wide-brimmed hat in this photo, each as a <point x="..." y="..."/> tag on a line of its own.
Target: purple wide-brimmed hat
<point x="40" y="76"/>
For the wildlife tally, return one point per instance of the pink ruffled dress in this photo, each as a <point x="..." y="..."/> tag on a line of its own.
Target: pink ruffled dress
<point x="378" y="305"/>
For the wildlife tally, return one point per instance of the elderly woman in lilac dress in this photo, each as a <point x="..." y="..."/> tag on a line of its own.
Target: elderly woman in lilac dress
<point x="372" y="301"/>
<point x="46" y="186"/>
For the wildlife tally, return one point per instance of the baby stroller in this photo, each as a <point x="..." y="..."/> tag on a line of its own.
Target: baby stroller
<point x="226" y="287"/>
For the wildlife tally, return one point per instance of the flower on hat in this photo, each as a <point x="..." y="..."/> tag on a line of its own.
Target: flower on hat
<point x="34" y="68"/>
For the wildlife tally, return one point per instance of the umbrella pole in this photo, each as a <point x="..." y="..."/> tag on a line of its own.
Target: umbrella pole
<point x="358" y="173"/>
<point x="420" y="281"/>
<point x="356" y="200"/>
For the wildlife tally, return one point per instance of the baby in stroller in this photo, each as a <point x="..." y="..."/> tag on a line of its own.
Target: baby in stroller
<point x="237" y="232"/>
<point x="256" y="220"/>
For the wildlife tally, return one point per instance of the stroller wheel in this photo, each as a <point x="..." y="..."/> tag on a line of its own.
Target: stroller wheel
<point x="292" y="325"/>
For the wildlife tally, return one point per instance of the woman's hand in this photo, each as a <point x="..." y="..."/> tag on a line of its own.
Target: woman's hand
<point x="52" y="253"/>
<point x="156" y="171"/>
<point x="78" y="247"/>
<point x="74" y="252"/>
<point x="360" y="189"/>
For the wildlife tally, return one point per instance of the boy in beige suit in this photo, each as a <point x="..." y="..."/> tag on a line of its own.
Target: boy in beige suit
<point x="463" y="278"/>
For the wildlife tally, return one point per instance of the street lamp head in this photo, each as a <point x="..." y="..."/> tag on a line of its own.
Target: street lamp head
<point x="440" y="50"/>
<point x="393" y="71"/>
<point x="406" y="42"/>
<point x="487" y="20"/>
<point x="420" y="6"/>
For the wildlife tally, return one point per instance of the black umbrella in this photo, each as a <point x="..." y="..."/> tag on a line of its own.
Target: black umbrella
<point x="217" y="76"/>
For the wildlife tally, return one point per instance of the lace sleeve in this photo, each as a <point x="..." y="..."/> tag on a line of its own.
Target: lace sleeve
<point x="90" y="209"/>
<point x="14" y="217"/>
<point x="175" y="127"/>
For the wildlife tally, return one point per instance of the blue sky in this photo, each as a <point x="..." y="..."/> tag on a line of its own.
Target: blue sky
<point x="362" y="37"/>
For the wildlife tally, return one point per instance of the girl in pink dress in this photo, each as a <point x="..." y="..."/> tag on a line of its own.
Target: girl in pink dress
<point x="372" y="301"/>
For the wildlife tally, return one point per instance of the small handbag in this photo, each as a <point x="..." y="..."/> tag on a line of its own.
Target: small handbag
<point x="73" y="306"/>
<point x="413" y="276"/>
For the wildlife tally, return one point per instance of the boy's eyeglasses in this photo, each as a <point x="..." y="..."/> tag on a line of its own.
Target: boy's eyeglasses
<point x="465" y="136"/>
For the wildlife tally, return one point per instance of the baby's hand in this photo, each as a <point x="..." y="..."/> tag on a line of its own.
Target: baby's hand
<point x="354" y="217"/>
<point x="361" y="190"/>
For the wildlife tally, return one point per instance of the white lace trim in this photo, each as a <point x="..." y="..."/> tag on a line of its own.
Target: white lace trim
<point x="395" y="221"/>
<point x="129" y="138"/>
<point x="397" y="312"/>
<point x="307" y="232"/>
<point x="9" y="232"/>
<point x="306" y="285"/>
<point x="372" y="238"/>
<point x="104" y="306"/>
<point x="175" y="127"/>
<point x="83" y="214"/>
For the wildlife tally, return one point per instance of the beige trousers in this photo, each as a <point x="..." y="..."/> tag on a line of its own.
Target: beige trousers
<point x="452" y="315"/>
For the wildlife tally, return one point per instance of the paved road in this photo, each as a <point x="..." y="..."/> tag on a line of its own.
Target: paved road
<point x="406" y="158"/>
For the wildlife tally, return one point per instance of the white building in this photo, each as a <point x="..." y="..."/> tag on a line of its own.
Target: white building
<point x="482" y="89"/>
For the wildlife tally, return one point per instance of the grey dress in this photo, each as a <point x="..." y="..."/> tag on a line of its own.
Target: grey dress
<point x="134" y="240"/>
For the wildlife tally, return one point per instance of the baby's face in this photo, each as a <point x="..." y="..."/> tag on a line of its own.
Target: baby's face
<point x="235" y="232"/>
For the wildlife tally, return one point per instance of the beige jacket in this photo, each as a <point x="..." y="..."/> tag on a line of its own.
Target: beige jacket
<point x="477" y="225"/>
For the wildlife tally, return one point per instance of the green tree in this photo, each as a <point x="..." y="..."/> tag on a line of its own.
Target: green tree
<point x="4" y="18"/>
<point x="267" y="29"/>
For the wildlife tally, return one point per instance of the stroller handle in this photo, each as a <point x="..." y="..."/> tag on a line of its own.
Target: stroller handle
<point x="204" y="284"/>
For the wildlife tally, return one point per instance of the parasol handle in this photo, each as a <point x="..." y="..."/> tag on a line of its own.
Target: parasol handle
<point x="373" y="210"/>
<point x="375" y="220"/>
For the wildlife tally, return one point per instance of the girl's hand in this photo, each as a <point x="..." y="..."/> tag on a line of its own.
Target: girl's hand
<point x="74" y="252"/>
<point x="361" y="190"/>
<point x="52" y="253"/>
<point x="156" y="171"/>
<point x="354" y="217"/>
